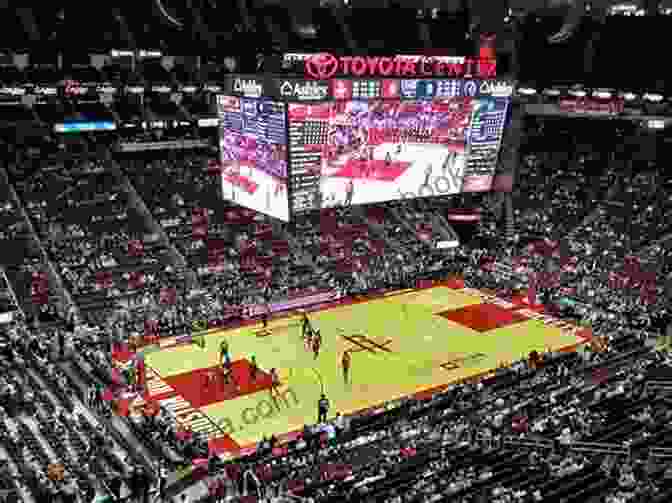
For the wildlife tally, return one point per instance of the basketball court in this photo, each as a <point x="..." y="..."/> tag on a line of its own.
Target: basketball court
<point x="402" y="344"/>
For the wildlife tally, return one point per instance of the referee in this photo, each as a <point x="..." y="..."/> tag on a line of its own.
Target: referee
<point x="322" y="408"/>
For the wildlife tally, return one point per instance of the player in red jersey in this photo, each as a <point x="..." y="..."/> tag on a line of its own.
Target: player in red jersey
<point x="369" y="164"/>
<point x="316" y="342"/>
<point x="307" y="332"/>
<point x="279" y="188"/>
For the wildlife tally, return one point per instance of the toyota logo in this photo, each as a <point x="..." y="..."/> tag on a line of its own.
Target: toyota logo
<point x="322" y="66"/>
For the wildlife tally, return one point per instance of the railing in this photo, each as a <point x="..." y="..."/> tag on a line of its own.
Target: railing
<point x="660" y="452"/>
<point x="589" y="447"/>
<point x="9" y="315"/>
<point x="599" y="448"/>
<point x="658" y="386"/>
<point x="523" y="442"/>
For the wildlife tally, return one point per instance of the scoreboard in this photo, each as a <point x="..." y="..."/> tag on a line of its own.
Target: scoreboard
<point x="358" y="141"/>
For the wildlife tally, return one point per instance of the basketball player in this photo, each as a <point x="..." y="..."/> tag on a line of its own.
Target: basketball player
<point x="309" y="335"/>
<point x="322" y="408"/>
<point x="371" y="162"/>
<point x="227" y="371"/>
<point x="450" y="161"/>
<point x="349" y="191"/>
<point x="428" y="174"/>
<point x="275" y="381"/>
<point x="266" y="314"/>
<point x="317" y="199"/>
<point x="306" y="328"/>
<point x="345" y="363"/>
<point x="279" y="189"/>
<point x="316" y="342"/>
<point x="224" y="352"/>
<point x="254" y="368"/>
<point x="362" y="136"/>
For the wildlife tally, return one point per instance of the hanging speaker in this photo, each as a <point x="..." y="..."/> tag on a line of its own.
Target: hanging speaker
<point x="575" y="11"/>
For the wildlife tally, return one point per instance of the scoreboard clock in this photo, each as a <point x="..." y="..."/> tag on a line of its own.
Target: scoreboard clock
<point x="366" y="89"/>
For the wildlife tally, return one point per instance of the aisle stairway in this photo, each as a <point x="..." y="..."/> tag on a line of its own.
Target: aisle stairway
<point x="509" y="222"/>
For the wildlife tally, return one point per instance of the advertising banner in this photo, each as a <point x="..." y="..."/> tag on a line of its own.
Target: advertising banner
<point x="295" y="303"/>
<point x="365" y="88"/>
<point x="300" y="90"/>
<point x="248" y="86"/>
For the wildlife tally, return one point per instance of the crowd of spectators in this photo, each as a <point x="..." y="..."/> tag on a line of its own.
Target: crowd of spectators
<point x="547" y="433"/>
<point x="99" y="250"/>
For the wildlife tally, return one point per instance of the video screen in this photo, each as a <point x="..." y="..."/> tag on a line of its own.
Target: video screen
<point x="485" y="140"/>
<point x="359" y="152"/>
<point x="253" y="150"/>
<point x="508" y="154"/>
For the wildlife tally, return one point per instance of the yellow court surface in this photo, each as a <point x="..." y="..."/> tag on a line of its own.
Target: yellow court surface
<point x="399" y="344"/>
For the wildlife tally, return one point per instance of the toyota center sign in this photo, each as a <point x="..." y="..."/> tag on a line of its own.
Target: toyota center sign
<point x="325" y="66"/>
